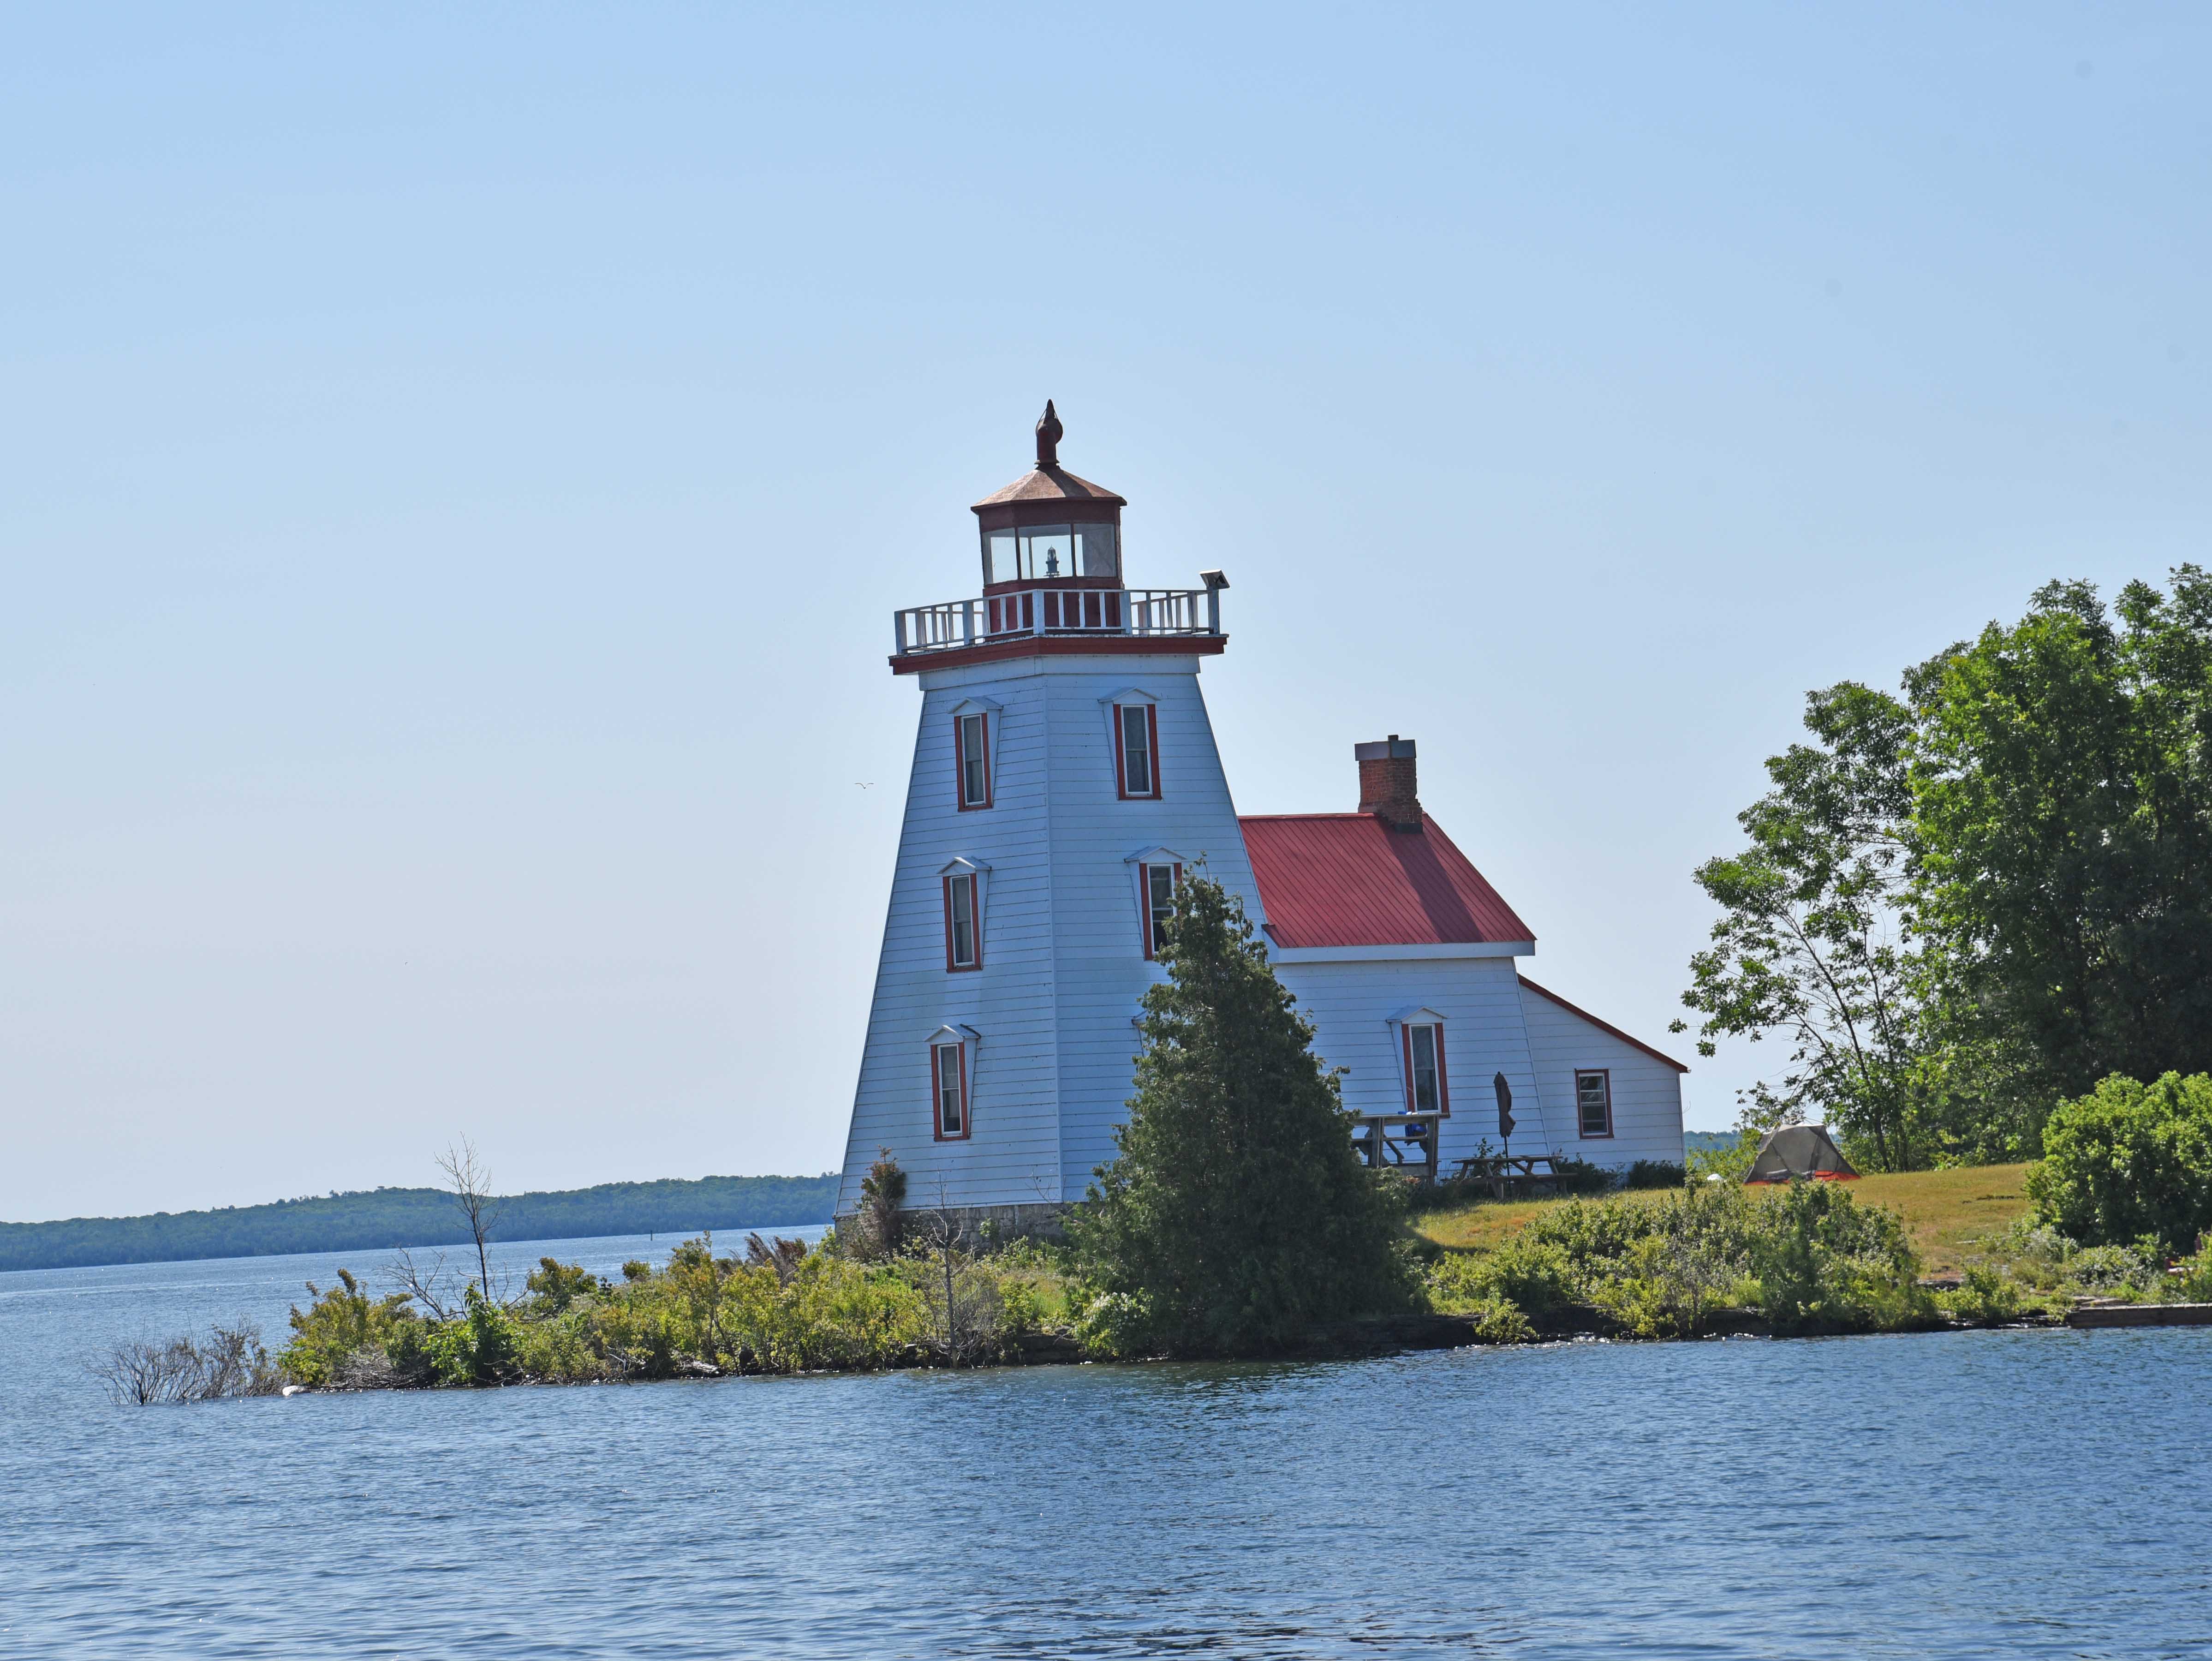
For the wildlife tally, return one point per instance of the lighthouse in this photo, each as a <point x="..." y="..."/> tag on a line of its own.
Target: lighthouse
<point x="1064" y="780"/>
<point x="1065" y="777"/>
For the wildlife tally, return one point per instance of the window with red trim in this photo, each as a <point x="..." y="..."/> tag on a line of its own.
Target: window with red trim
<point x="964" y="923"/>
<point x="948" y="1091"/>
<point x="971" y="759"/>
<point x="1594" y="1101"/>
<point x="1137" y="752"/>
<point x="1427" y="1088"/>
<point x="1157" y="883"/>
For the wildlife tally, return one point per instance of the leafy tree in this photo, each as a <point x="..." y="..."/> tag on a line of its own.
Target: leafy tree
<point x="1813" y="943"/>
<point x="2129" y="1162"/>
<point x="2062" y="786"/>
<point x="1235" y="1213"/>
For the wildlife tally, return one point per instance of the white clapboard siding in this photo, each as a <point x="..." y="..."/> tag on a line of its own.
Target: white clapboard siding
<point x="1351" y="1005"/>
<point x="1647" y="1093"/>
<point x="1063" y="947"/>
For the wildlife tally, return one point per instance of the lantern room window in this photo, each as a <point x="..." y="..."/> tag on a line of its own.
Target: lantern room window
<point x="1049" y="553"/>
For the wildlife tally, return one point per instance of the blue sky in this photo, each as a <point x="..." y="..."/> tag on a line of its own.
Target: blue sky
<point x="457" y="468"/>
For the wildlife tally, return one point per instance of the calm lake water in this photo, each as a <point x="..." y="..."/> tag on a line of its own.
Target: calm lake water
<point x="1976" y="1494"/>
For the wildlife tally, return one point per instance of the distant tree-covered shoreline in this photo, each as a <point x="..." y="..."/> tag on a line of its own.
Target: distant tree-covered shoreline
<point x="384" y="1218"/>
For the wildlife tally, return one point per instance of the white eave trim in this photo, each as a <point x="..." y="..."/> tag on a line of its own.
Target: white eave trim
<point x="1448" y="950"/>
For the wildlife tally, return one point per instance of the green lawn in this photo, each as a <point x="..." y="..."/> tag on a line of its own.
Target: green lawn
<point x="1944" y="1210"/>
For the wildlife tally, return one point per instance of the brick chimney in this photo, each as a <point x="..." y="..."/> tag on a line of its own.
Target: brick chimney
<point x="1387" y="787"/>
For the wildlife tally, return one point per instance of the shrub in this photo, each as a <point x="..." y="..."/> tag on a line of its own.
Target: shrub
<point x="1666" y="1265"/>
<point x="877" y="1226"/>
<point x="230" y="1361"/>
<point x="1532" y="1274"/>
<point x="2194" y="1284"/>
<point x="1500" y="1322"/>
<point x="479" y="1348"/>
<point x="1983" y="1295"/>
<point x="1235" y="1213"/>
<point x="1577" y="1175"/>
<point x="338" y="1325"/>
<point x="2129" y="1161"/>
<point x="1827" y="1263"/>
<point x="1657" y="1173"/>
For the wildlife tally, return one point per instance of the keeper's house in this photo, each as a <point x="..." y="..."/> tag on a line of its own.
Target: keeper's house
<point x="1065" y="777"/>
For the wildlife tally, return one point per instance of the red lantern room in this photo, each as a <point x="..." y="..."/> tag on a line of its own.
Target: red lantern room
<point x="1053" y="580"/>
<point x="1057" y="535"/>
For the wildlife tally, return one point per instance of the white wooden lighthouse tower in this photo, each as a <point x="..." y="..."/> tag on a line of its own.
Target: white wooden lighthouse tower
<point x="1064" y="772"/>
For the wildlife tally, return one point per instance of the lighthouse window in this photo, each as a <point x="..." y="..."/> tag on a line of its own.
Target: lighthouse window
<point x="971" y="749"/>
<point x="1159" y="887"/>
<point x="948" y="1068"/>
<point x="964" y="931"/>
<point x="1136" y="750"/>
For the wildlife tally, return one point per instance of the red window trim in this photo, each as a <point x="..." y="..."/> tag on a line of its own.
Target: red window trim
<point x="960" y="766"/>
<point x="1443" y="1078"/>
<point x="1121" y="753"/>
<point x="1144" y="902"/>
<point x="937" y="1106"/>
<point x="974" y="923"/>
<point x="1605" y="1073"/>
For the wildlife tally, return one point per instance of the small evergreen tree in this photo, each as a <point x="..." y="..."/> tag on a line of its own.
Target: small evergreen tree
<point x="1236" y="1214"/>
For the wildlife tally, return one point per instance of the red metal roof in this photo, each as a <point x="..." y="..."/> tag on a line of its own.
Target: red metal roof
<point x="1347" y="879"/>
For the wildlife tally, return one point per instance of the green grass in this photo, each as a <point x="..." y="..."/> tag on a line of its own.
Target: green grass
<point x="1944" y="1211"/>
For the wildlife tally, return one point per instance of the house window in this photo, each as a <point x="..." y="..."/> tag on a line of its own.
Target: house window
<point x="1157" y="883"/>
<point x="964" y="923"/>
<point x="1427" y="1088"/>
<point x="948" y="1074"/>
<point x="971" y="749"/>
<point x="1137" y="751"/>
<point x="1594" y="1102"/>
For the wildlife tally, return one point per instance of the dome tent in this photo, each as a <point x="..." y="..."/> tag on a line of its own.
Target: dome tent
<point x="1797" y="1152"/>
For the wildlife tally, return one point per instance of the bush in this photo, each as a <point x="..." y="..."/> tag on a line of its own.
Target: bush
<point x="1657" y="1173"/>
<point x="339" y="1326"/>
<point x="1578" y="1176"/>
<point x="1983" y="1295"/>
<point x="2128" y="1162"/>
<point x="1235" y="1215"/>
<point x="2194" y="1284"/>
<point x="1659" y="1267"/>
<point x="1532" y="1274"/>
<point x="877" y="1227"/>
<point x="478" y="1348"/>
<point x="230" y="1361"/>
<point x="1827" y="1263"/>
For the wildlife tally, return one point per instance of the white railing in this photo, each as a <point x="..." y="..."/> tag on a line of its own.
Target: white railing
<point x="1145" y="613"/>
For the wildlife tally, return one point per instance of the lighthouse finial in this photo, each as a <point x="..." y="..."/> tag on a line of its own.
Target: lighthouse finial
<point x="1048" y="437"/>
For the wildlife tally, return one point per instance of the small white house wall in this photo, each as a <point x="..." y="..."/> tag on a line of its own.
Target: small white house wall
<point x="1647" y="1094"/>
<point x="1063" y="963"/>
<point x="1351" y="1005"/>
